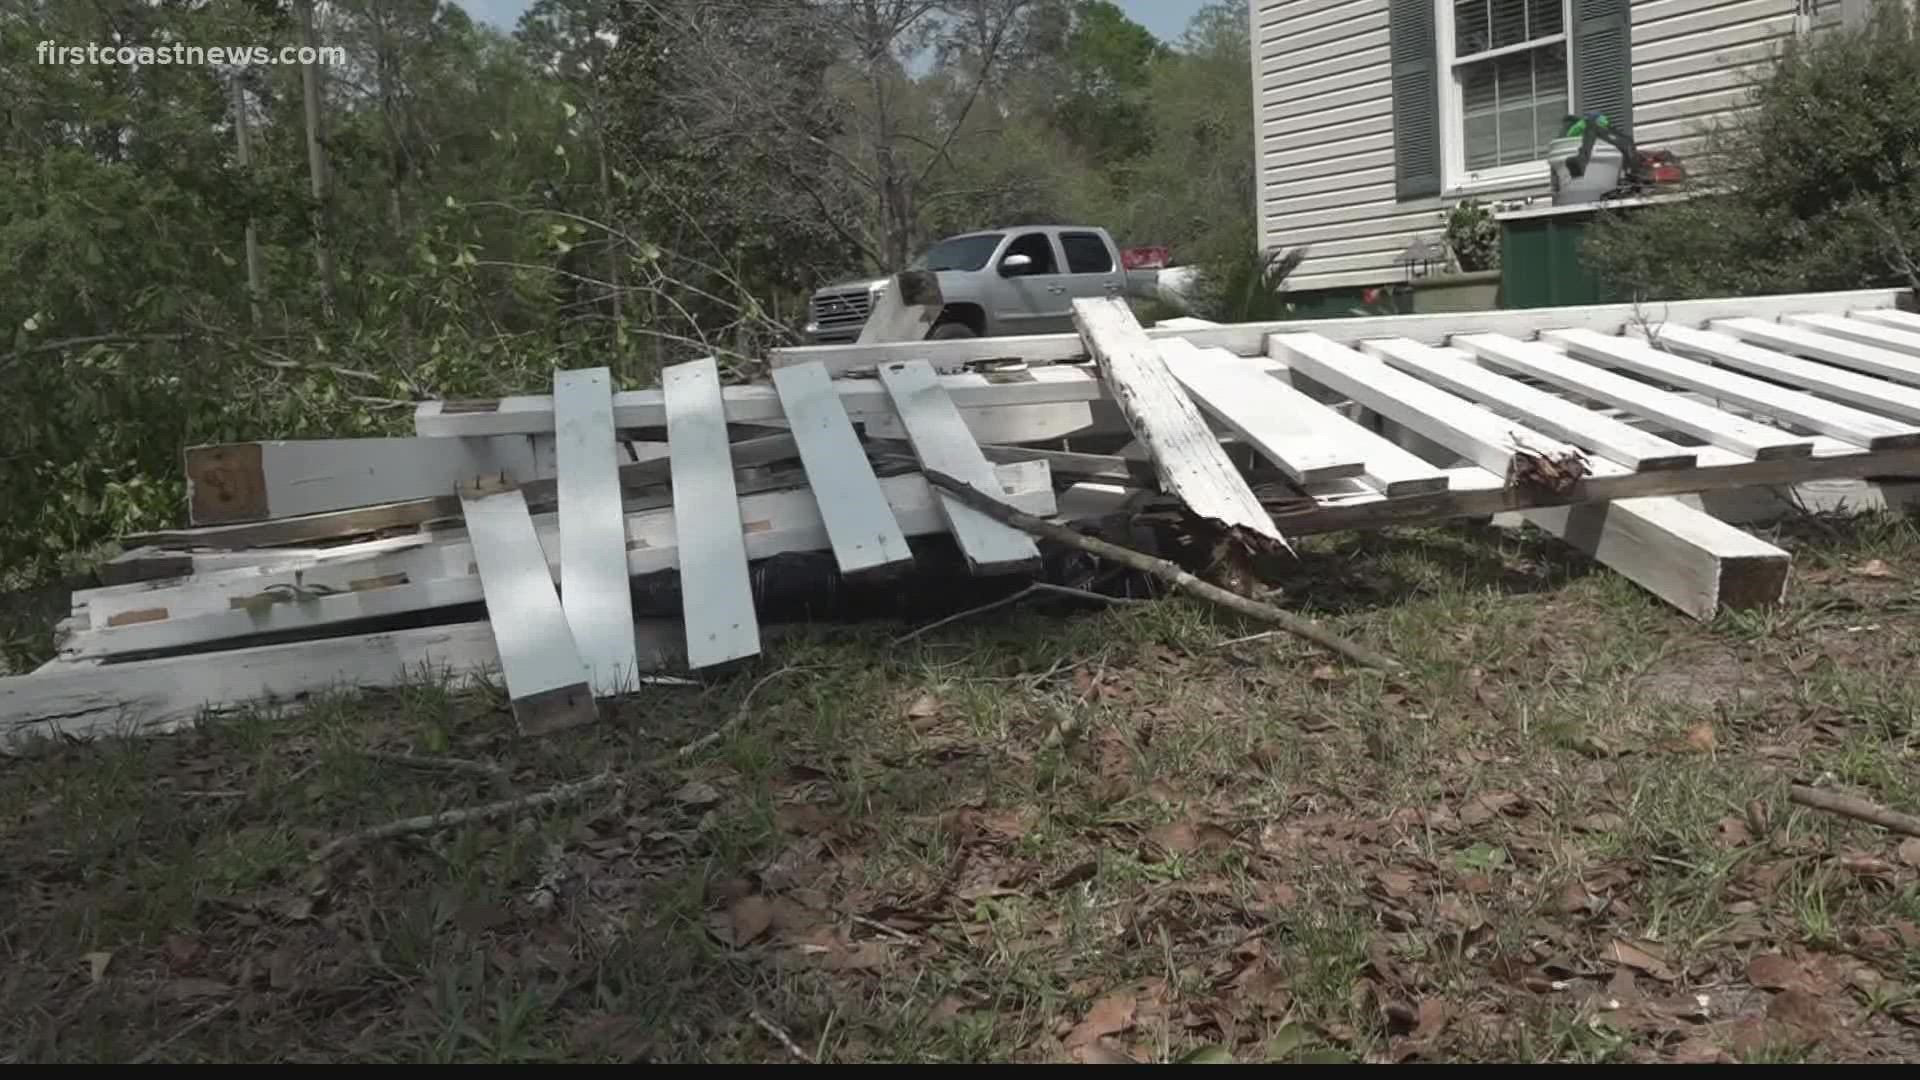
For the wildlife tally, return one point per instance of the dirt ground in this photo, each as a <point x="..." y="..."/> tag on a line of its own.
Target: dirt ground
<point x="1121" y="836"/>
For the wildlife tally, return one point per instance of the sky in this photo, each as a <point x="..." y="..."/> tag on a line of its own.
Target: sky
<point x="1166" y="18"/>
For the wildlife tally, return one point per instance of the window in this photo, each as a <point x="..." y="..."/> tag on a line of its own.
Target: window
<point x="1504" y="86"/>
<point x="1036" y="246"/>
<point x="1086" y="253"/>
<point x="959" y="253"/>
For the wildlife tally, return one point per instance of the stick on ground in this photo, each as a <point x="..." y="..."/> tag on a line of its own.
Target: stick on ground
<point x="449" y="818"/>
<point x="448" y="764"/>
<point x="1160" y="568"/>
<point x="1857" y="809"/>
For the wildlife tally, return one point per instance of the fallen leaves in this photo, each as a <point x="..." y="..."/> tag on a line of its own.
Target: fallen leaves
<point x="1700" y="737"/>
<point x="1487" y="805"/>
<point x="1910" y="852"/>
<point x="1640" y="958"/>
<point x="97" y="963"/>
<point x="1110" y="1015"/>
<point x="696" y="794"/>
<point x="750" y="917"/>
<point x="1873" y="568"/>
<point x="1731" y="832"/>
<point x="1186" y="837"/>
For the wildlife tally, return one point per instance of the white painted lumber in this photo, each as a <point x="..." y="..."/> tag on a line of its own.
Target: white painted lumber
<point x="1684" y="556"/>
<point x="863" y="398"/>
<point x="1694" y="418"/>
<point x="442" y="575"/>
<point x="1827" y="417"/>
<point x="539" y="660"/>
<point x="1884" y="363"/>
<point x="941" y="441"/>
<point x="1474" y="433"/>
<point x="866" y="538"/>
<point x="1270" y="416"/>
<point x="1556" y="416"/>
<point x="1888" y="316"/>
<point x="1859" y="331"/>
<point x="1827" y="380"/>
<point x="235" y="482"/>
<point x="593" y="529"/>
<point x="1020" y="423"/>
<point x="149" y="697"/>
<point x="1249" y="339"/>
<point x="903" y="309"/>
<point x="1390" y="469"/>
<point x="715" y="591"/>
<point x="1186" y="454"/>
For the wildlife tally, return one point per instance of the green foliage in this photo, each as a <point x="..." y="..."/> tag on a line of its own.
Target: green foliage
<point x="1105" y="108"/>
<point x="1815" y="186"/>
<point x="1473" y="235"/>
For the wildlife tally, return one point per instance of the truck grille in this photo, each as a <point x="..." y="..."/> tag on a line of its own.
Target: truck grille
<point x="838" y="316"/>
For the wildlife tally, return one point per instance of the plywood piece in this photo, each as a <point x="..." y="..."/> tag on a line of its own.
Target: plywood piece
<point x="237" y="482"/>
<point x="539" y="660"/>
<point x="1539" y="409"/>
<point x="941" y="441"/>
<point x="1702" y="421"/>
<point x="1192" y="466"/>
<point x="1285" y="426"/>
<point x="593" y="530"/>
<point x="1828" y="418"/>
<point x="716" y="594"/>
<point x="866" y="538"/>
<point x="1883" y="363"/>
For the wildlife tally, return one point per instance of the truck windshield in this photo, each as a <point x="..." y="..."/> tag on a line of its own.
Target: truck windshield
<point x="959" y="253"/>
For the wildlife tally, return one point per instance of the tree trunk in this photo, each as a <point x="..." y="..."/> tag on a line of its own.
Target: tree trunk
<point x="316" y="157"/>
<point x="255" y="288"/>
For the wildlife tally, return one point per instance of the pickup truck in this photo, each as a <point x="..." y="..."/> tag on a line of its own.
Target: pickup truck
<point x="998" y="282"/>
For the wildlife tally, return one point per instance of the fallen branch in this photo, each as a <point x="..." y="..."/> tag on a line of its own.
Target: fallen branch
<point x="1036" y="587"/>
<point x="1857" y="809"/>
<point x="449" y="764"/>
<point x="780" y="1034"/>
<point x="448" y="818"/>
<point x="1160" y="568"/>
<point x="714" y="736"/>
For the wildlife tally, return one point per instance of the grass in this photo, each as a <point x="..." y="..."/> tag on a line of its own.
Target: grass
<point x="1553" y="835"/>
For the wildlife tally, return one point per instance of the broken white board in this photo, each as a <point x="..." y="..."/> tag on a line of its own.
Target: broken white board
<point x="716" y="595"/>
<point x="866" y="538"/>
<point x="594" y="592"/>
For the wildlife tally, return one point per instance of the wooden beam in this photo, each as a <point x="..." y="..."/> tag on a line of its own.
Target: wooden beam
<point x="716" y="594"/>
<point x="593" y="530"/>
<point x="1700" y="420"/>
<point x="1249" y="339"/>
<point x="154" y="696"/>
<point x="236" y="482"/>
<point x="1859" y="331"/>
<point x="1556" y="416"/>
<point x="1828" y="380"/>
<point x="1884" y="363"/>
<point x="1684" y="556"/>
<point x="545" y="677"/>
<point x="1185" y="451"/>
<point x="866" y="538"/>
<point x="441" y="574"/>
<point x="904" y="309"/>
<point x="1828" y="418"/>
<point x="1285" y="426"/>
<point x="862" y="398"/>
<point x="1893" y="317"/>
<point x="940" y="440"/>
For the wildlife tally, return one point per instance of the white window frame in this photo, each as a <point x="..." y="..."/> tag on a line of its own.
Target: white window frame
<point x="1456" y="178"/>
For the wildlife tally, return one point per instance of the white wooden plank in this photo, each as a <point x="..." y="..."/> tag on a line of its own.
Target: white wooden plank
<point x="1828" y="418"/>
<point x="1268" y="415"/>
<point x="941" y="441"/>
<point x="1481" y="437"/>
<point x="1847" y="354"/>
<point x="1542" y="411"/>
<point x="716" y="594"/>
<point x="1684" y="556"/>
<point x="442" y="574"/>
<point x="150" y="697"/>
<point x="1866" y="391"/>
<point x="1701" y="421"/>
<point x="1192" y="466"/>
<point x="593" y="530"/>
<point x="1889" y="316"/>
<point x="1860" y="331"/>
<point x="1250" y="339"/>
<point x="904" y="309"/>
<point x="863" y="398"/>
<point x="866" y="538"/>
<point x="236" y="482"/>
<point x="538" y="658"/>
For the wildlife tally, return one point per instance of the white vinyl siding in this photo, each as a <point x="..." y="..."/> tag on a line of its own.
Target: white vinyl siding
<point x="1323" y="91"/>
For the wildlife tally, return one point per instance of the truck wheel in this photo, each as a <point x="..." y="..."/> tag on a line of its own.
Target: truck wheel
<point x="951" y="330"/>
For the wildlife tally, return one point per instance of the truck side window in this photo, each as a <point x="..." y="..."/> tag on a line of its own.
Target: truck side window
<point x="1086" y="253"/>
<point x="1036" y="247"/>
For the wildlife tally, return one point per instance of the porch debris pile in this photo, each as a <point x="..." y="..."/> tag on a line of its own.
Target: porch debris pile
<point x="574" y="546"/>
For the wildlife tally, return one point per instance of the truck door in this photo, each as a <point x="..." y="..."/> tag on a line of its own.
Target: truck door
<point x="1033" y="299"/>
<point x="1091" y="270"/>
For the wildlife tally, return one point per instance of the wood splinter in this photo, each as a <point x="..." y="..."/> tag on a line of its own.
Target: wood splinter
<point x="1147" y="564"/>
<point x="1857" y="809"/>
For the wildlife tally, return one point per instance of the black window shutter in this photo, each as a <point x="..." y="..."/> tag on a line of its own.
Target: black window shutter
<point x="1603" y="60"/>
<point x="1416" y="98"/>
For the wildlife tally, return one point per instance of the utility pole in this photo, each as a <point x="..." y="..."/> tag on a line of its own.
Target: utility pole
<point x="316" y="157"/>
<point x="254" y="287"/>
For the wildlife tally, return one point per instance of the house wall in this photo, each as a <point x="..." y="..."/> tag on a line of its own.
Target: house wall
<point x="1323" y="94"/>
